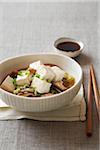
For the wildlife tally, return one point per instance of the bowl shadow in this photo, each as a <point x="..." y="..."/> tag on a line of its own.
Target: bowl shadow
<point x="83" y="59"/>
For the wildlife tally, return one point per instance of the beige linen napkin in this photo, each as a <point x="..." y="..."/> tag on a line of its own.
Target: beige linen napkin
<point x="74" y="112"/>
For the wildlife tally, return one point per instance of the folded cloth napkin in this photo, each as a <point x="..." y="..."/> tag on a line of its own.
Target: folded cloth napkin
<point x="76" y="111"/>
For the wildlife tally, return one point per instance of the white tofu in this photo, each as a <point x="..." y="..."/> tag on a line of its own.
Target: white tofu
<point x="58" y="72"/>
<point x="35" y="65"/>
<point x="21" y="80"/>
<point x="8" y="84"/>
<point x="41" y="86"/>
<point x="46" y="72"/>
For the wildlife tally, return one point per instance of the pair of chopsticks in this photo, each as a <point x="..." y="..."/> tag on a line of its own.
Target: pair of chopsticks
<point x="92" y="85"/>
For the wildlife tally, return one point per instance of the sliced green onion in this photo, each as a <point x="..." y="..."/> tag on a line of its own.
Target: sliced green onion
<point x="16" y="91"/>
<point x="20" y="73"/>
<point x="53" y="91"/>
<point x="27" y="72"/>
<point x="49" y="80"/>
<point x="23" y="86"/>
<point x="23" y="72"/>
<point x="37" y="75"/>
<point x="14" y="81"/>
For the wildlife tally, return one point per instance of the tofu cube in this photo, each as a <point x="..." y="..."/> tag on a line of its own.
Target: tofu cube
<point x="59" y="73"/>
<point x="21" y="80"/>
<point x="41" y="86"/>
<point x="35" y="65"/>
<point x="46" y="73"/>
<point x="8" y="84"/>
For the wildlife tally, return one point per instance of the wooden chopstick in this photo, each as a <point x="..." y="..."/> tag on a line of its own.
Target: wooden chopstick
<point x="95" y="89"/>
<point x="89" y="111"/>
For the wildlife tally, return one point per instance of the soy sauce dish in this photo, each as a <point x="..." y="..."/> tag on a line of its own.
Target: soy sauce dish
<point x="39" y="82"/>
<point x="68" y="46"/>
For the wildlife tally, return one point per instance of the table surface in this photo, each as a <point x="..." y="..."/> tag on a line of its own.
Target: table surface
<point x="33" y="27"/>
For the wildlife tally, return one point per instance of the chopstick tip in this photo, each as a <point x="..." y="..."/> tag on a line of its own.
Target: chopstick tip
<point x="91" y="66"/>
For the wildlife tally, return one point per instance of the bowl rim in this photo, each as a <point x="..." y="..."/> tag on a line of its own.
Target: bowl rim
<point x="48" y="97"/>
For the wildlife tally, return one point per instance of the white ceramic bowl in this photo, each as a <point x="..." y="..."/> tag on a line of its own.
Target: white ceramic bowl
<point x="70" y="54"/>
<point x="40" y="104"/>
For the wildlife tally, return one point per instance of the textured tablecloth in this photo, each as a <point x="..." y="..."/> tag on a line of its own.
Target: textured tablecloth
<point x="33" y="27"/>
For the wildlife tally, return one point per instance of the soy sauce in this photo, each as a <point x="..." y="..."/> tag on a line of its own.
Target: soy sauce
<point x="68" y="46"/>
